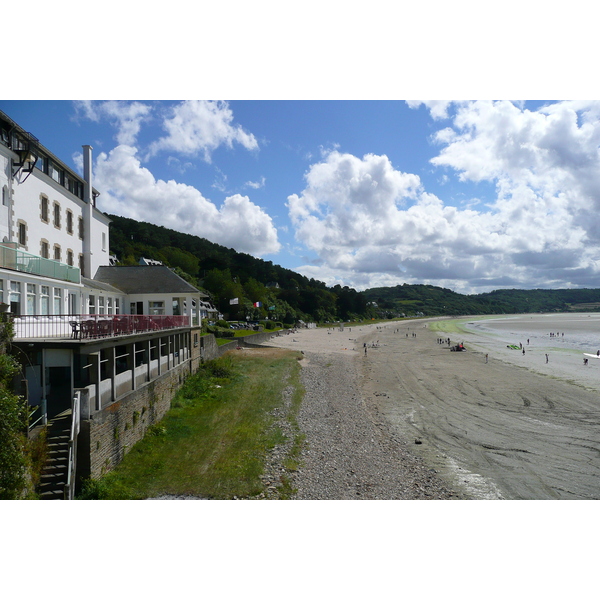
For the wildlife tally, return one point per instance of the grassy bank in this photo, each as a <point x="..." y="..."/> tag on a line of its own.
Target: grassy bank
<point x="214" y="441"/>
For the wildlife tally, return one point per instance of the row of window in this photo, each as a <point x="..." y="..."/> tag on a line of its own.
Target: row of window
<point x="106" y="305"/>
<point x="45" y="248"/>
<point x="56" y="216"/>
<point x="62" y="177"/>
<point x="46" y="294"/>
<point x="47" y="300"/>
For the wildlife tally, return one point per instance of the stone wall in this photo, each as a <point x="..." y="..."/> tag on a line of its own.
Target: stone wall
<point x="112" y="432"/>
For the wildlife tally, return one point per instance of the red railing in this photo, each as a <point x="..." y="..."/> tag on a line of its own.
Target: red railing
<point x="85" y="327"/>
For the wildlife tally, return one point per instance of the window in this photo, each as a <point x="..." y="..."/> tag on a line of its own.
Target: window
<point x="57" y="252"/>
<point x="15" y="297"/>
<point x="70" y="257"/>
<point x="103" y="241"/>
<point x="42" y="164"/>
<point x="156" y="307"/>
<point x="22" y="233"/>
<point x="80" y="228"/>
<point x="31" y="299"/>
<point x="109" y="306"/>
<point x="44" y="208"/>
<point x="44" y="300"/>
<point x="57" y="301"/>
<point x="117" y="307"/>
<point x="5" y="196"/>
<point x="81" y="265"/>
<point x="57" y="215"/>
<point x="92" y="302"/>
<point x="55" y="173"/>
<point x="100" y="305"/>
<point x="44" y="249"/>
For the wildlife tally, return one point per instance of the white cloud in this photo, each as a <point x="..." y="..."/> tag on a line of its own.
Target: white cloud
<point x="437" y="108"/>
<point x="130" y="190"/>
<point x="126" y="116"/>
<point x="198" y="127"/>
<point x="256" y="185"/>
<point x="370" y="224"/>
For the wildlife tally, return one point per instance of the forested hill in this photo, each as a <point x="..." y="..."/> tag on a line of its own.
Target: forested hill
<point x="431" y="300"/>
<point x="228" y="274"/>
<point x="284" y="294"/>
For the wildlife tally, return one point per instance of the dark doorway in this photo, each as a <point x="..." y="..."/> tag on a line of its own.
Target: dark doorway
<point x="58" y="380"/>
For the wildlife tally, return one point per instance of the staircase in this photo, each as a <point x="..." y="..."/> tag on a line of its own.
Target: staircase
<point x="54" y="475"/>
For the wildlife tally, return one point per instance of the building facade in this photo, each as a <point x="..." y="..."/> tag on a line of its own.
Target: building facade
<point x="106" y="334"/>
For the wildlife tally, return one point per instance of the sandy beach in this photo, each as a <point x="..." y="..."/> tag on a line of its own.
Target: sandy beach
<point x="511" y="427"/>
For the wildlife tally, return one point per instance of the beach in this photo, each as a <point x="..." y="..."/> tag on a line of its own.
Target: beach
<point x="411" y="419"/>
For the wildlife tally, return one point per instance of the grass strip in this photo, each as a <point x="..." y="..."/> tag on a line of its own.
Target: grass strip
<point x="213" y="441"/>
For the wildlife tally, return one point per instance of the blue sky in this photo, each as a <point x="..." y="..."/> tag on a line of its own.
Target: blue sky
<point x="313" y="159"/>
<point x="470" y="195"/>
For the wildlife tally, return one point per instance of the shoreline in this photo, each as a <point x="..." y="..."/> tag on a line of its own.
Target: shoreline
<point x="488" y="430"/>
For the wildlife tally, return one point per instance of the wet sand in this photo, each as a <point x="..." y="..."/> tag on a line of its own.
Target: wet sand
<point x="490" y="430"/>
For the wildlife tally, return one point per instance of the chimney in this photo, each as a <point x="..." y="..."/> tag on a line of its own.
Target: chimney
<point x="87" y="212"/>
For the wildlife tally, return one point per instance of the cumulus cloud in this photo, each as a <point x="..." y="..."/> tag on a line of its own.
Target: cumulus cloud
<point x="198" y="127"/>
<point x="130" y="190"/>
<point x="371" y="224"/>
<point x="127" y="117"/>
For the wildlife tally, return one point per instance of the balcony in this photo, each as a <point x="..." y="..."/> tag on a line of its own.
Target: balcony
<point x="92" y="327"/>
<point x="18" y="260"/>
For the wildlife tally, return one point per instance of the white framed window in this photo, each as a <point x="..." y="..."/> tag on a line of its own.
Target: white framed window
<point x="109" y="306"/>
<point x="58" y="301"/>
<point x="101" y="305"/>
<point x="31" y="298"/>
<point x="103" y="241"/>
<point x="44" y="300"/>
<point x="15" y="297"/>
<point x="92" y="304"/>
<point x="156" y="307"/>
<point x="117" y="307"/>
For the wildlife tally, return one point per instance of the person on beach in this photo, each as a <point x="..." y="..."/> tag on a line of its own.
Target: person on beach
<point x="523" y="351"/>
<point x="365" y="350"/>
<point x="546" y="359"/>
<point x="585" y="362"/>
<point x="486" y="359"/>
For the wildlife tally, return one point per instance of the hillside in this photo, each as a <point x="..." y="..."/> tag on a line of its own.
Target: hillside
<point x="284" y="294"/>
<point x="431" y="300"/>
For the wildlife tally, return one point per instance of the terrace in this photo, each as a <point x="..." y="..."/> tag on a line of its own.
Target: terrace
<point x="18" y="260"/>
<point x="92" y="327"/>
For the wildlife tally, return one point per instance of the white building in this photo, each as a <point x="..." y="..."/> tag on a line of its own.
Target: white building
<point x="69" y="306"/>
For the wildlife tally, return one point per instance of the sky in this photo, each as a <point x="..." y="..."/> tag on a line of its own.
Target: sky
<point x="296" y="133"/>
<point x="468" y="195"/>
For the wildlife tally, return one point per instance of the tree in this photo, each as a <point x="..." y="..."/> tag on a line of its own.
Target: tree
<point x="13" y="415"/>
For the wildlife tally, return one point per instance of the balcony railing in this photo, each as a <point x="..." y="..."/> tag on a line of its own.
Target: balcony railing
<point x="18" y="260"/>
<point x="90" y="327"/>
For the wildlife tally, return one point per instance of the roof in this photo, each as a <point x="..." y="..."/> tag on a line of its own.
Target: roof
<point x="99" y="285"/>
<point x="145" y="280"/>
